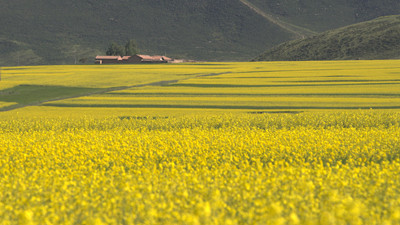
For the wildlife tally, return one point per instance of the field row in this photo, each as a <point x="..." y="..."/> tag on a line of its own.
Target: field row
<point x="267" y="86"/>
<point x="233" y="102"/>
<point x="272" y="86"/>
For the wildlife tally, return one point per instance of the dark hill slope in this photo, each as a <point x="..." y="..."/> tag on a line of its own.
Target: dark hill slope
<point x="62" y="32"/>
<point x="322" y="15"/>
<point x="59" y="31"/>
<point x="375" y="39"/>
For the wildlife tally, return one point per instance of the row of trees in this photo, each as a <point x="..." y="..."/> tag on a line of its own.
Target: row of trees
<point x="130" y="49"/>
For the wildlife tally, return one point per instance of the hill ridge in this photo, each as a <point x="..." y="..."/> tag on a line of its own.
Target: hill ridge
<point x="375" y="39"/>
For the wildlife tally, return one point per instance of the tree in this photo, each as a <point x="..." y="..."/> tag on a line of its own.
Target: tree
<point x="112" y="49"/>
<point x="131" y="48"/>
<point x="83" y="60"/>
<point x="115" y="49"/>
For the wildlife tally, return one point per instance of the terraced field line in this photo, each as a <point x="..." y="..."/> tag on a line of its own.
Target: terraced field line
<point x="299" y="32"/>
<point x="105" y="90"/>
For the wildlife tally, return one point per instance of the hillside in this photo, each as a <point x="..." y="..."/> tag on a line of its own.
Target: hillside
<point x="58" y="32"/>
<point x="375" y="39"/>
<point x="323" y="15"/>
<point x="63" y="32"/>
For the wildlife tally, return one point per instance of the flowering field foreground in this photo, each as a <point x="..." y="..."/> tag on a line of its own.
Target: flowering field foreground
<point x="311" y="168"/>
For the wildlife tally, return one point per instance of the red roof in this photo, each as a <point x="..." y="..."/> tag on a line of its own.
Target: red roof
<point x="154" y="58"/>
<point x="102" y="57"/>
<point x="143" y="58"/>
<point x="126" y="57"/>
<point x="165" y="58"/>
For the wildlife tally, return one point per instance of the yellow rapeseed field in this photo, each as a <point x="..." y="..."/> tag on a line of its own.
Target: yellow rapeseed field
<point x="272" y="86"/>
<point x="310" y="168"/>
<point x="204" y="143"/>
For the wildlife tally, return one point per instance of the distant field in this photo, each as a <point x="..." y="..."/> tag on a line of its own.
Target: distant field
<point x="272" y="86"/>
<point x="26" y="86"/>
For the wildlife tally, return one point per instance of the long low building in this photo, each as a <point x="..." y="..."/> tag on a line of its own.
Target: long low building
<point x="108" y="59"/>
<point x="136" y="59"/>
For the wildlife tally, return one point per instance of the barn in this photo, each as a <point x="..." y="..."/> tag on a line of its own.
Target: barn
<point x="147" y="59"/>
<point x="136" y="59"/>
<point x="108" y="59"/>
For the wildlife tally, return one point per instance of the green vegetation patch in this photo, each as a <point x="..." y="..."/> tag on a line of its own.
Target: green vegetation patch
<point x="34" y="94"/>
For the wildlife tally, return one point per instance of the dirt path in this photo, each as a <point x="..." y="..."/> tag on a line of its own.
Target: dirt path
<point x="299" y="32"/>
<point x="103" y="91"/>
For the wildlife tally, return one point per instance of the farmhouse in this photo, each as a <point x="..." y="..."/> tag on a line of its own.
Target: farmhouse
<point x="136" y="59"/>
<point x="148" y="59"/>
<point x="107" y="59"/>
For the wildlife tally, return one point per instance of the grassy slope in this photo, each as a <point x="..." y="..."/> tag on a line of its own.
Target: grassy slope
<point x="375" y="39"/>
<point x="322" y="15"/>
<point x="58" y="32"/>
<point x="62" y="32"/>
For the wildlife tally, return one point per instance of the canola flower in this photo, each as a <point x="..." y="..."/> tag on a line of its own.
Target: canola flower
<point x="310" y="168"/>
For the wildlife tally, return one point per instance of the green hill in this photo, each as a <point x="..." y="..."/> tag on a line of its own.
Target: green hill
<point x="63" y="32"/>
<point x="323" y="15"/>
<point x="375" y="39"/>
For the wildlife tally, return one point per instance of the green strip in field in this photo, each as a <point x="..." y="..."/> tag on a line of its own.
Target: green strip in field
<point x="210" y="85"/>
<point x="249" y="107"/>
<point x="342" y="81"/>
<point x="172" y="94"/>
<point x="33" y="94"/>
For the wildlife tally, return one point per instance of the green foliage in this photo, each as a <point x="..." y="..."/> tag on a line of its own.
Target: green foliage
<point x="34" y="94"/>
<point x="376" y="39"/>
<point x="131" y="48"/>
<point x="115" y="49"/>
